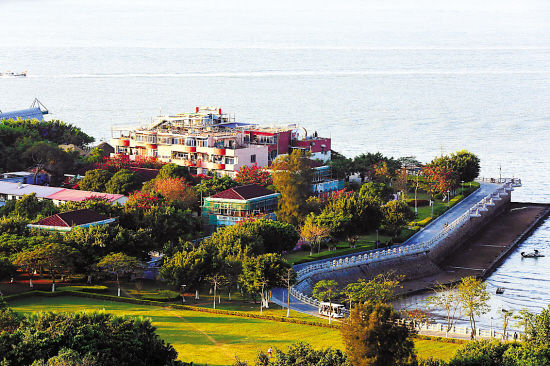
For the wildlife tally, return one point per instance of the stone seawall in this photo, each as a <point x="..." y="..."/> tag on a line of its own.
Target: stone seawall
<point x="454" y="240"/>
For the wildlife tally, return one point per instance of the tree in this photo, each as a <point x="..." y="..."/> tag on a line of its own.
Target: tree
<point x="315" y="234"/>
<point x="483" y="352"/>
<point x="30" y="207"/>
<point x="448" y="299"/>
<point x="401" y="183"/>
<point x="46" y="156"/>
<point x="186" y="267"/>
<point x="379" y="289"/>
<point x="340" y="166"/>
<point x="439" y="179"/>
<point x="464" y="163"/>
<point x="288" y="278"/>
<point x="122" y="182"/>
<point x="177" y="190"/>
<point x="217" y="280"/>
<point x="110" y="339"/>
<point x="377" y="191"/>
<point x="538" y="328"/>
<point x="301" y="354"/>
<point x="364" y="164"/>
<point x="326" y="290"/>
<point x="473" y="297"/>
<point x="28" y="263"/>
<point x="7" y="268"/>
<point x="372" y="337"/>
<point x="292" y="177"/>
<point x="351" y="214"/>
<point x="95" y="180"/>
<point x="253" y="174"/>
<point x="209" y="186"/>
<point x="175" y="171"/>
<point x="56" y="258"/>
<point x="396" y="214"/>
<point x="118" y="263"/>
<point x="142" y="201"/>
<point x="261" y="273"/>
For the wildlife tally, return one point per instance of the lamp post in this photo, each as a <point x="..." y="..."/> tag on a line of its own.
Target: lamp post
<point x="183" y="293"/>
<point x="448" y="197"/>
<point x="491" y="326"/>
<point x="462" y="187"/>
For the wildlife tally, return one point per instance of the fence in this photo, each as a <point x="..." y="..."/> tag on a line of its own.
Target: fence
<point x="377" y="255"/>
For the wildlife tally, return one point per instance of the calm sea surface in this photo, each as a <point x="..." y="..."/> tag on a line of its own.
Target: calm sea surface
<point x="400" y="77"/>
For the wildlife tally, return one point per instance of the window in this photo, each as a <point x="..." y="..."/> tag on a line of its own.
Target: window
<point x="253" y="158"/>
<point x="229" y="160"/>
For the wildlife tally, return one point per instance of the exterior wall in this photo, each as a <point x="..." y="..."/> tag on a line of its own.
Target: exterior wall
<point x="243" y="156"/>
<point x="328" y="186"/>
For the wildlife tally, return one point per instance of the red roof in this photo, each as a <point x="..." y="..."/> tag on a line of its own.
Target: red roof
<point x="246" y="192"/>
<point x="77" y="196"/>
<point x="72" y="218"/>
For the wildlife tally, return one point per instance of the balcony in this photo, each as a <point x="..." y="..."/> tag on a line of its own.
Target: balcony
<point x="189" y="149"/>
<point x="125" y="142"/>
<point x="217" y="151"/>
<point x="152" y="146"/>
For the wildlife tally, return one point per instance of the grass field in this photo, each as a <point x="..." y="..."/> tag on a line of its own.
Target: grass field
<point x="214" y="339"/>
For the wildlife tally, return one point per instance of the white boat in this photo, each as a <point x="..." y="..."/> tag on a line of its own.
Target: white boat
<point x="14" y="74"/>
<point x="534" y="254"/>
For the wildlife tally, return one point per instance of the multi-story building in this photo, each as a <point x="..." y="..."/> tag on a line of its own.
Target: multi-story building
<point x="210" y="140"/>
<point x="236" y="204"/>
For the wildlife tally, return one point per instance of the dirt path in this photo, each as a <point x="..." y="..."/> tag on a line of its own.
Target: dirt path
<point x="214" y="342"/>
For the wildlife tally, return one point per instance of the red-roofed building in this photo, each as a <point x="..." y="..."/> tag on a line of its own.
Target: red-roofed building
<point x="73" y="195"/>
<point x="236" y="204"/>
<point x="66" y="221"/>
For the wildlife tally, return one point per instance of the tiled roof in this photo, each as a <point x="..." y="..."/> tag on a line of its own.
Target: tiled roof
<point x="72" y="218"/>
<point x="31" y="113"/>
<point x="243" y="192"/>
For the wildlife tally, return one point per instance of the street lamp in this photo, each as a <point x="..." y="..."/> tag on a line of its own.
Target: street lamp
<point x="462" y="187"/>
<point x="491" y="326"/>
<point x="183" y="294"/>
<point x="448" y="197"/>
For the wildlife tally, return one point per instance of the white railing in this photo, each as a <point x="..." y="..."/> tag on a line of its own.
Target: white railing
<point x="460" y="331"/>
<point x="377" y="255"/>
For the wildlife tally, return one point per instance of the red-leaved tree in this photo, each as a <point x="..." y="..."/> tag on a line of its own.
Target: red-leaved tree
<point x="440" y="179"/>
<point x="122" y="161"/>
<point x="253" y="174"/>
<point x="176" y="189"/>
<point x="141" y="200"/>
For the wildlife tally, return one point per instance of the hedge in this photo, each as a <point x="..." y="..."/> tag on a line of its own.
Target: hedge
<point x="419" y="202"/>
<point x="173" y="306"/>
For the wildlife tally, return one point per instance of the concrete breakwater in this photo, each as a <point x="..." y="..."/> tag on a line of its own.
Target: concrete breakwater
<point x="421" y="255"/>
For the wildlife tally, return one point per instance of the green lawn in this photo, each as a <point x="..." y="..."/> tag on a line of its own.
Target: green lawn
<point x="214" y="339"/>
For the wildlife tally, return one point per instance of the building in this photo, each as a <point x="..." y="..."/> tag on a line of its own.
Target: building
<point x="25" y="177"/>
<point x="36" y="111"/>
<point x="15" y="191"/>
<point x="236" y="204"/>
<point x="67" y="221"/>
<point x="211" y="141"/>
<point x="323" y="181"/>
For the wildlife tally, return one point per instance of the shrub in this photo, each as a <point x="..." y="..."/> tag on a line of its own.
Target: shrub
<point x="162" y="295"/>
<point x="419" y="203"/>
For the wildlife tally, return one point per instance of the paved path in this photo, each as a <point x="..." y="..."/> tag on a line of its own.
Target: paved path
<point x="422" y="236"/>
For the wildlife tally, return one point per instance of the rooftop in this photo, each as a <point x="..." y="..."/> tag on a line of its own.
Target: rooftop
<point x="18" y="189"/>
<point x="72" y="218"/>
<point x="77" y="196"/>
<point x="30" y="113"/>
<point x="246" y="192"/>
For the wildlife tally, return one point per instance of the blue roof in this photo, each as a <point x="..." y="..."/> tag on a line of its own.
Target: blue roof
<point x="235" y="124"/>
<point x="31" y="113"/>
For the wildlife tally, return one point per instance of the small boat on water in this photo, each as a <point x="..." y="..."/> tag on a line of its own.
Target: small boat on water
<point x="500" y="291"/>
<point x="14" y="74"/>
<point x="534" y="254"/>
